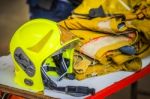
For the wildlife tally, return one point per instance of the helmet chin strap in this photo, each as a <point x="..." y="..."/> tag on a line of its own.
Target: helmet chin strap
<point x="61" y="65"/>
<point x="76" y="91"/>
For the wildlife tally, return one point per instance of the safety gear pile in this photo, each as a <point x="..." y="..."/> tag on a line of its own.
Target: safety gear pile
<point x="114" y="35"/>
<point x="100" y="37"/>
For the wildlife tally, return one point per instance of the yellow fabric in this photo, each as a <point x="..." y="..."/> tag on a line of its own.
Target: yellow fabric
<point x="148" y="2"/>
<point x="86" y="35"/>
<point x="147" y="12"/>
<point x="86" y="5"/>
<point x="145" y="8"/>
<point x="106" y="53"/>
<point x="89" y="68"/>
<point x="109" y="6"/>
<point x="105" y="59"/>
<point x="110" y="47"/>
<point x="120" y="59"/>
<point x="81" y="62"/>
<point x="142" y="25"/>
<point x="97" y="70"/>
<point x="133" y="64"/>
<point x="124" y="7"/>
<point x="107" y="24"/>
<point x="142" y="48"/>
<point x="145" y="53"/>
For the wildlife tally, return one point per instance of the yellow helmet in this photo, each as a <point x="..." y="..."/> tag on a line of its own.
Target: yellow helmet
<point x="31" y="45"/>
<point x="39" y="46"/>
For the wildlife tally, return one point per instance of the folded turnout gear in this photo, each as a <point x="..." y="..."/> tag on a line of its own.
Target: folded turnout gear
<point x="130" y="9"/>
<point x="86" y="67"/>
<point x="112" y="37"/>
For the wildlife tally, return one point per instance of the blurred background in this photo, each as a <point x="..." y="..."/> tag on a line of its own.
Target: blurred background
<point x="13" y="13"/>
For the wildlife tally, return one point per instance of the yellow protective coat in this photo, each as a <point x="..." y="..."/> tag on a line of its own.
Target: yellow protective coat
<point x="94" y="33"/>
<point x="124" y="7"/>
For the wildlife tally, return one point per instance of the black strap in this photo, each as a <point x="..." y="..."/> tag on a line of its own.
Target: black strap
<point x="76" y="91"/>
<point x="97" y="12"/>
<point x="48" y="68"/>
<point x="70" y="76"/>
<point x="46" y="80"/>
<point x="61" y="63"/>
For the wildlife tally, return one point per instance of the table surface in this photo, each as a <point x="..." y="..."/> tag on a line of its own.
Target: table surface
<point x="102" y="84"/>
